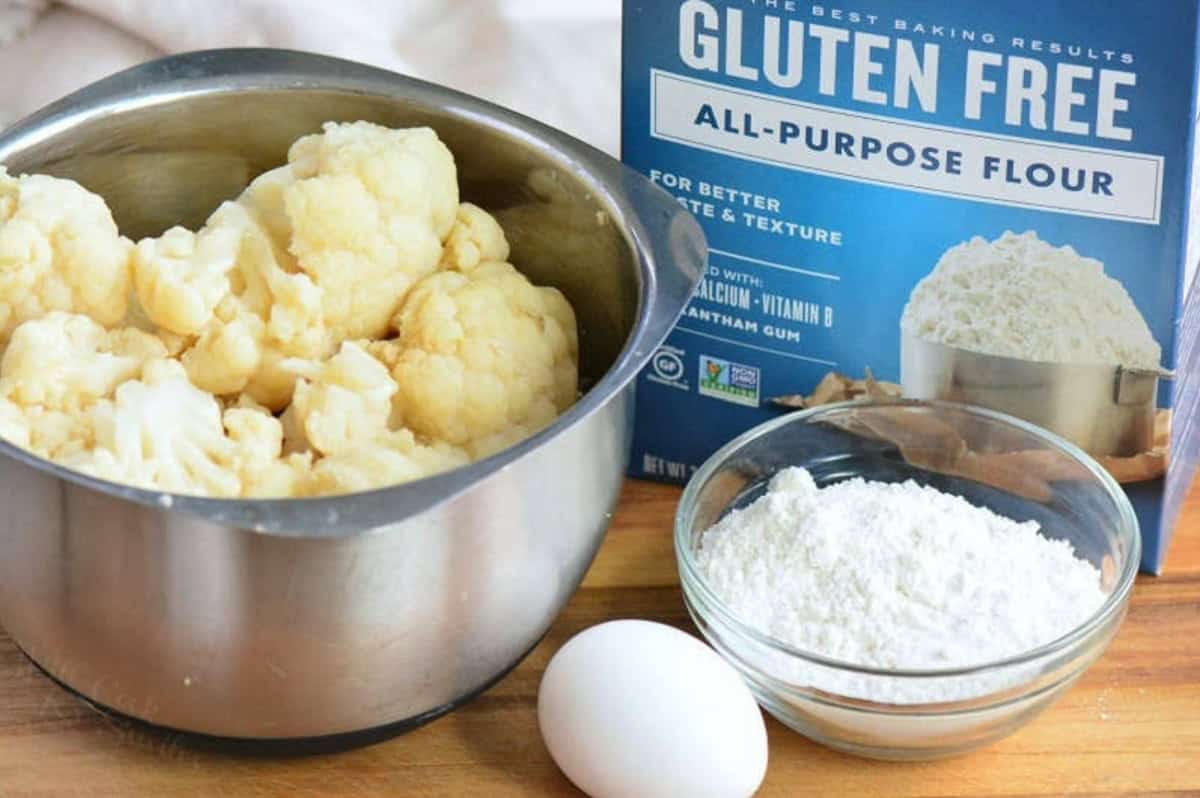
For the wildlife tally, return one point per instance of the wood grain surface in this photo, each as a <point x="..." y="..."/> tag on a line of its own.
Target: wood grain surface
<point x="1130" y="727"/>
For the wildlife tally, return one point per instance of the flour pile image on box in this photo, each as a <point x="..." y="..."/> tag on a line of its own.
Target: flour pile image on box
<point x="976" y="202"/>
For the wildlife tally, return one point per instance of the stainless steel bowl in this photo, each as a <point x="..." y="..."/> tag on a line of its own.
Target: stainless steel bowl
<point x="1105" y="410"/>
<point x="303" y="618"/>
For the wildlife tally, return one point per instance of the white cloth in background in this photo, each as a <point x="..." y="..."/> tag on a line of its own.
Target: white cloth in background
<point x="18" y="16"/>
<point x="555" y="60"/>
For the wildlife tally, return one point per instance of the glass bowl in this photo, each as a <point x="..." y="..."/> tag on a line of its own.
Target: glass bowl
<point x="990" y="459"/>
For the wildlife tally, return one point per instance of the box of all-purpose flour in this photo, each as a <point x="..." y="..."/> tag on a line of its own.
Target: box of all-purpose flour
<point x="932" y="194"/>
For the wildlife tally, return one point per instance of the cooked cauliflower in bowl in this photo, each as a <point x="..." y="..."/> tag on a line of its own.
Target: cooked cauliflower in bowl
<point x="345" y="324"/>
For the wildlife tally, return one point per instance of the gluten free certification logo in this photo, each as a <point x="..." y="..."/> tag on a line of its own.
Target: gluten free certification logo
<point x="666" y="368"/>
<point x="729" y="381"/>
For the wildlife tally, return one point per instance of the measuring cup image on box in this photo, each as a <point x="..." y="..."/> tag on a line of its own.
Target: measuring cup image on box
<point x="1039" y="332"/>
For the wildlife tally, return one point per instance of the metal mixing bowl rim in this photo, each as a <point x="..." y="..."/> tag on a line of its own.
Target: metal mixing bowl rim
<point x="710" y="602"/>
<point x="208" y="72"/>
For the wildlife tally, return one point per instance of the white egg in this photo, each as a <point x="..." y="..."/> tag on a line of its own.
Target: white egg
<point x="634" y="709"/>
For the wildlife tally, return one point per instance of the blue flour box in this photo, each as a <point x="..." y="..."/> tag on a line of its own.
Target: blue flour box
<point x="889" y="183"/>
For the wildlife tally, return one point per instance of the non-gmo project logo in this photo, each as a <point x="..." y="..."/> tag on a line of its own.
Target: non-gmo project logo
<point x="732" y="382"/>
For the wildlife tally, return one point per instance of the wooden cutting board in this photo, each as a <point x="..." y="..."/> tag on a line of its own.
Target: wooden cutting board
<point x="1130" y="727"/>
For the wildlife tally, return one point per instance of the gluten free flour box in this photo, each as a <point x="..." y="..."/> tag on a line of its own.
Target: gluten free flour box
<point x="984" y="202"/>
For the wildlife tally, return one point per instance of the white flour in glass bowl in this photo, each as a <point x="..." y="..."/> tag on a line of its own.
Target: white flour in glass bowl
<point x="894" y="576"/>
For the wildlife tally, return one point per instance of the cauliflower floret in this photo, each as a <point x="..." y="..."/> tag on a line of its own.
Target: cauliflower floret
<point x="409" y="169"/>
<point x="475" y="238"/>
<point x="181" y="276"/>
<point x="294" y="438"/>
<point x="277" y="304"/>
<point x="394" y="458"/>
<point x="245" y="401"/>
<point x="483" y="355"/>
<point x="225" y="357"/>
<point x="263" y="199"/>
<point x="162" y="433"/>
<point x="323" y="249"/>
<point x="258" y="434"/>
<point x="59" y="250"/>
<point x="367" y="213"/>
<point x="269" y="314"/>
<point x="343" y="403"/>
<point x="65" y="361"/>
<point x="280" y="479"/>
<point x="13" y="426"/>
<point x="59" y="434"/>
<point x="258" y="439"/>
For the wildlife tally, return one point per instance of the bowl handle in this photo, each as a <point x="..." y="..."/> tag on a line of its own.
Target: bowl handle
<point x="676" y="252"/>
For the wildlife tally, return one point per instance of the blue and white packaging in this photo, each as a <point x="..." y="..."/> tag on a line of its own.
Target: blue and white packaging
<point x="835" y="153"/>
